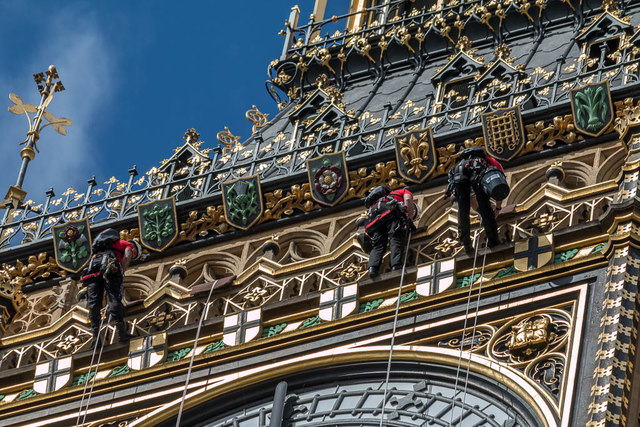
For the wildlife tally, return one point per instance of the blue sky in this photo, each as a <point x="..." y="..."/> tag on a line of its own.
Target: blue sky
<point x="137" y="75"/>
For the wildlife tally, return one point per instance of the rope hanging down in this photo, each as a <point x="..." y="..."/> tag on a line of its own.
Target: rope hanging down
<point x="193" y="355"/>
<point x="393" y="331"/>
<point x="464" y="328"/>
<point x="473" y="334"/>
<point x="95" y="373"/>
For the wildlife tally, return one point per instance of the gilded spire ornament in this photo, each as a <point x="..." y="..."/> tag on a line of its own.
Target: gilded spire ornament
<point x="48" y="83"/>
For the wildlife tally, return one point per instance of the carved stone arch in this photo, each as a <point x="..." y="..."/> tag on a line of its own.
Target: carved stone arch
<point x="522" y="186"/>
<point x="610" y="167"/>
<point x="217" y="265"/>
<point x="433" y="207"/>
<point x="137" y="287"/>
<point x="346" y="232"/>
<point x="577" y="174"/>
<point x="303" y="244"/>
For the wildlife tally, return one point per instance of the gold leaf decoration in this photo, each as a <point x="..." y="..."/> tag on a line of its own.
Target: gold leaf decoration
<point x="211" y="219"/>
<point x="363" y="181"/>
<point x="278" y="204"/>
<point x="542" y="134"/>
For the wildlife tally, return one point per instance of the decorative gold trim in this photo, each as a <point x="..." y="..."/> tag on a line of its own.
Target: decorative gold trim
<point x="216" y="387"/>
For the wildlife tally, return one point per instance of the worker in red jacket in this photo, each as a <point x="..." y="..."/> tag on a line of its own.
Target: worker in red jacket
<point x="105" y="273"/>
<point x="471" y="173"/>
<point x="390" y="215"/>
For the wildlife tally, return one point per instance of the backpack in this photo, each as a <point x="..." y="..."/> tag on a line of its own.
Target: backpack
<point x="105" y="240"/>
<point x="384" y="210"/>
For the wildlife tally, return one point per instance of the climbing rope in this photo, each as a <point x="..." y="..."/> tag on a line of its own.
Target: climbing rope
<point x="473" y="334"/>
<point x="393" y="331"/>
<point x="93" y="379"/>
<point x="193" y="355"/>
<point x="464" y="327"/>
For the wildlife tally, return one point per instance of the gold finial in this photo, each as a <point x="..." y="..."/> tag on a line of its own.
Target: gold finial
<point x="321" y="81"/>
<point x="502" y="51"/>
<point x="256" y="117"/>
<point x="191" y="136"/>
<point x="48" y="83"/>
<point x="464" y="44"/>
<point x="609" y="5"/>
<point x="229" y="141"/>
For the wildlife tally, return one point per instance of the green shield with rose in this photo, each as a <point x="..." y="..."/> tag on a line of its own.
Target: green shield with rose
<point x="72" y="244"/>
<point x="328" y="177"/>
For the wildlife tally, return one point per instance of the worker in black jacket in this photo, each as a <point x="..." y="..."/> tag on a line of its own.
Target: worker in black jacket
<point x="390" y="215"/>
<point x="467" y="175"/>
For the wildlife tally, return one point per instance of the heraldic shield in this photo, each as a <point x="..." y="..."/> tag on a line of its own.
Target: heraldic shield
<point x="241" y="327"/>
<point x="147" y="351"/>
<point x="504" y="134"/>
<point x="52" y="375"/>
<point x="328" y="177"/>
<point x="158" y="223"/>
<point x="242" y="200"/>
<point x="592" y="108"/>
<point x="72" y="244"/>
<point x="415" y="154"/>
<point x="534" y="252"/>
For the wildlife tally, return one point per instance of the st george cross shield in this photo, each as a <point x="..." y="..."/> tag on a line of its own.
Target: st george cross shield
<point x="242" y="200"/>
<point x="338" y="302"/>
<point x="415" y="154"/>
<point x="592" y="108"/>
<point x="72" y="245"/>
<point x="158" y="223"/>
<point x="504" y="134"/>
<point x="533" y="253"/>
<point x="242" y="327"/>
<point x="52" y="375"/>
<point x="328" y="177"/>
<point x="435" y="277"/>
<point x="147" y="351"/>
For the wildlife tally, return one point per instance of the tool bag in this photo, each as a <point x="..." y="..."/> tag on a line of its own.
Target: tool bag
<point x="494" y="183"/>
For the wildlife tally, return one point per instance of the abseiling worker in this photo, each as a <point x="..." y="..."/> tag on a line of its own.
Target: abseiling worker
<point x="390" y="216"/>
<point x="484" y="175"/>
<point x="105" y="273"/>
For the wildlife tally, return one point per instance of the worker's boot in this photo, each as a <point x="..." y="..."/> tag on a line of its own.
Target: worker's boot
<point x="123" y="335"/>
<point x="468" y="247"/>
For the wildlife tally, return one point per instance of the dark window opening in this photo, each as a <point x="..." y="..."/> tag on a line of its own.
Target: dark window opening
<point x="456" y="93"/>
<point x="603" y="53"/>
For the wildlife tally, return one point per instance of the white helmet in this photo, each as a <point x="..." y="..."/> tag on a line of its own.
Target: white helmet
<point x="416" y="212"/>
<point x="137" y="251"/>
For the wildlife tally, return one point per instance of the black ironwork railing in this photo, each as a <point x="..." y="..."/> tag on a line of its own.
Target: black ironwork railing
<point x="283" y="155"/>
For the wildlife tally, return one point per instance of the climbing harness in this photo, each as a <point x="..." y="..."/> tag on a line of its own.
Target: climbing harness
<point x="393" y="331"/>
<point x="193" y="355"/>
<point x="93" y="379"/>
<point x="464" y="330"/>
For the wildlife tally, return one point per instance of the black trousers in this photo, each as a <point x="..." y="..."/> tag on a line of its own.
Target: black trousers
<point x="396" y="237"/>
<point x="95" y="292"/>
<point x="463" y="195"/>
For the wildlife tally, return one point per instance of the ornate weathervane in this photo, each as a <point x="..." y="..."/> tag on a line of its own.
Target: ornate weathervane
<point x="48" y="83"/>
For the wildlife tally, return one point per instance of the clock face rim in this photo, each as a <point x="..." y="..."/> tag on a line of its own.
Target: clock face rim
<point x="367" y="374"/>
